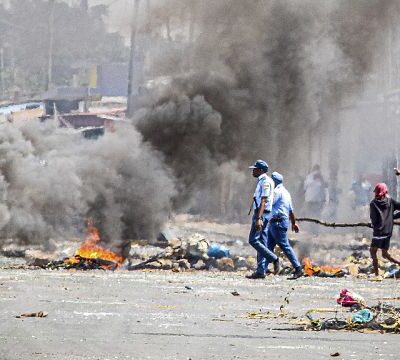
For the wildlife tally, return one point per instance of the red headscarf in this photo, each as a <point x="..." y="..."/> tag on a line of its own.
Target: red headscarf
<point x="380" y="190"/>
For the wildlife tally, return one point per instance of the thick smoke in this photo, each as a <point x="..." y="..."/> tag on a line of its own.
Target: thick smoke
<point x="260" y="79"/>
<point x="52" y="180"/>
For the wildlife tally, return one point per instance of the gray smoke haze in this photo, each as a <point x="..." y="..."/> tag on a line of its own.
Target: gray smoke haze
<point x="52" y="180"/>
<point x="261" y="79"/>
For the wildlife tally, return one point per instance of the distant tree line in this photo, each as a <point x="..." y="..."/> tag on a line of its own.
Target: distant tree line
<point x="43" y="43"/>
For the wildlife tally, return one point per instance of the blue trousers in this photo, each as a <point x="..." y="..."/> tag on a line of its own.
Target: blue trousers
<point x="258" y="240"/>
<point x="278" y="235"/>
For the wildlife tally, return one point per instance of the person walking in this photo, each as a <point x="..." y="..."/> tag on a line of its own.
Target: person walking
<point x="282" y="213"/>
<point x="262" y="206"/>
<point x="382" y="209"/>
<point x="315" y="195"/>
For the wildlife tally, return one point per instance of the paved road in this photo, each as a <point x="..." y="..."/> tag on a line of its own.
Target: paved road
<point x="142" y="315"/>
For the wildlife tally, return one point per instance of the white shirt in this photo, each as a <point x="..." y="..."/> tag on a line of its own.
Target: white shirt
<point x="264" y="189"/>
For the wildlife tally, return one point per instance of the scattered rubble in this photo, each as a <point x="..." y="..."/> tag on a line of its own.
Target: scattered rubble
<point x="13" y="250"/>
<point x="196" y="253"/>
<point x="38" y="258"/>
<point x="199" y="265"/>
<point x="40" y="314"/>
<point x="226" y="264"/>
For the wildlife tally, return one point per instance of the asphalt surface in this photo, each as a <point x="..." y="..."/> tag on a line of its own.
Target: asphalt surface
<point x="166" y="315"/>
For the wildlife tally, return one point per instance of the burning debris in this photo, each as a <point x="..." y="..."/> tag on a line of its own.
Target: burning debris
<point x="322" y="271"/>
<point x="90" y="255"/>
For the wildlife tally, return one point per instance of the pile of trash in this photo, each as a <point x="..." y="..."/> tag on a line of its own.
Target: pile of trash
<point x="360" y="317"/>
<point x="195" y="252"/>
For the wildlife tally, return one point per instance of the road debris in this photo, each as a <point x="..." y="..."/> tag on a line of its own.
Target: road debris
<point x="265" y="315"/>
<point x="348" y="298"/>
<point x="362" y="316"/>
<point x="218" y="251"/>
<point x="40" y="314"/>
<point x="381" y="318"/>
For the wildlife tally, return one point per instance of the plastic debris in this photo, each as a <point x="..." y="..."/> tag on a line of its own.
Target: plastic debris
<point x="217" y="251"/>
<point x="348" y="298"/>
<point x="393" y="273"/>
<point x="362" y="316"/>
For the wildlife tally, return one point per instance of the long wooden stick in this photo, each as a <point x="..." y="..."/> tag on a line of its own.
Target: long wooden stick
<point x="335" y="225"/>
<point x="149" y="260"/>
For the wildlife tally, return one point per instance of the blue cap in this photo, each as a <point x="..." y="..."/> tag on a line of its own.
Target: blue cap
<point x="260" y="164"/>
<point x="278" y="178"/>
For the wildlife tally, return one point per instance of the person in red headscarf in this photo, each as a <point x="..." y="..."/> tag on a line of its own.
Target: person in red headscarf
<point x="382" y="209"/>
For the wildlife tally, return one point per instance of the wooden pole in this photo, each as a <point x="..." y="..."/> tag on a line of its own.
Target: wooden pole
<point x="131" y="74"/>
<point x="49" y="77"/>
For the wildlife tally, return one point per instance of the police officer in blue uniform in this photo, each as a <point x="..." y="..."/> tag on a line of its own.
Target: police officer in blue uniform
<point x="262" y="206"/>
<point x="282" y="213"/>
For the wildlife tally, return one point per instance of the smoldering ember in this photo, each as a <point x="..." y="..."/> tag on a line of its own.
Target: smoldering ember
<point x="212" y="179"/>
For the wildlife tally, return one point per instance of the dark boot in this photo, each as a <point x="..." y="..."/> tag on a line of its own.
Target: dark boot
<point x="277" y="266"/>
<point x="255" y="275"/>
<point x="297" y="274"/>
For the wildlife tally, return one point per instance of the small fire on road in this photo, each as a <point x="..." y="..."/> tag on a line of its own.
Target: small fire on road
<point x="311" y="269"/>
<point x="91" y="255"/>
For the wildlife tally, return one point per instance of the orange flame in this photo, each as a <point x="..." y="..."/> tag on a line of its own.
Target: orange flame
<point x="91" y="250"/>
<point x="310" y="269"/>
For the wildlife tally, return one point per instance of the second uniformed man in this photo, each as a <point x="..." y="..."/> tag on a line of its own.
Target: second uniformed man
<point x="282" y="213"/>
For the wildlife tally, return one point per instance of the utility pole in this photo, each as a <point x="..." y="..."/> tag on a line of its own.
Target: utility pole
<point x="131" y="75"/>
<point x="2" y="71"/>
<point x="85" y="5"/>
<point x="49" y="77"/>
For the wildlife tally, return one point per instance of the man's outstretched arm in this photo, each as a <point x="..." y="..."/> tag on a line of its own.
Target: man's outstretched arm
<point x="295" y="226"/>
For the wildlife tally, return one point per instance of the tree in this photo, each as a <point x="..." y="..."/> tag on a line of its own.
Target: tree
<point x="68" y="35"/>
